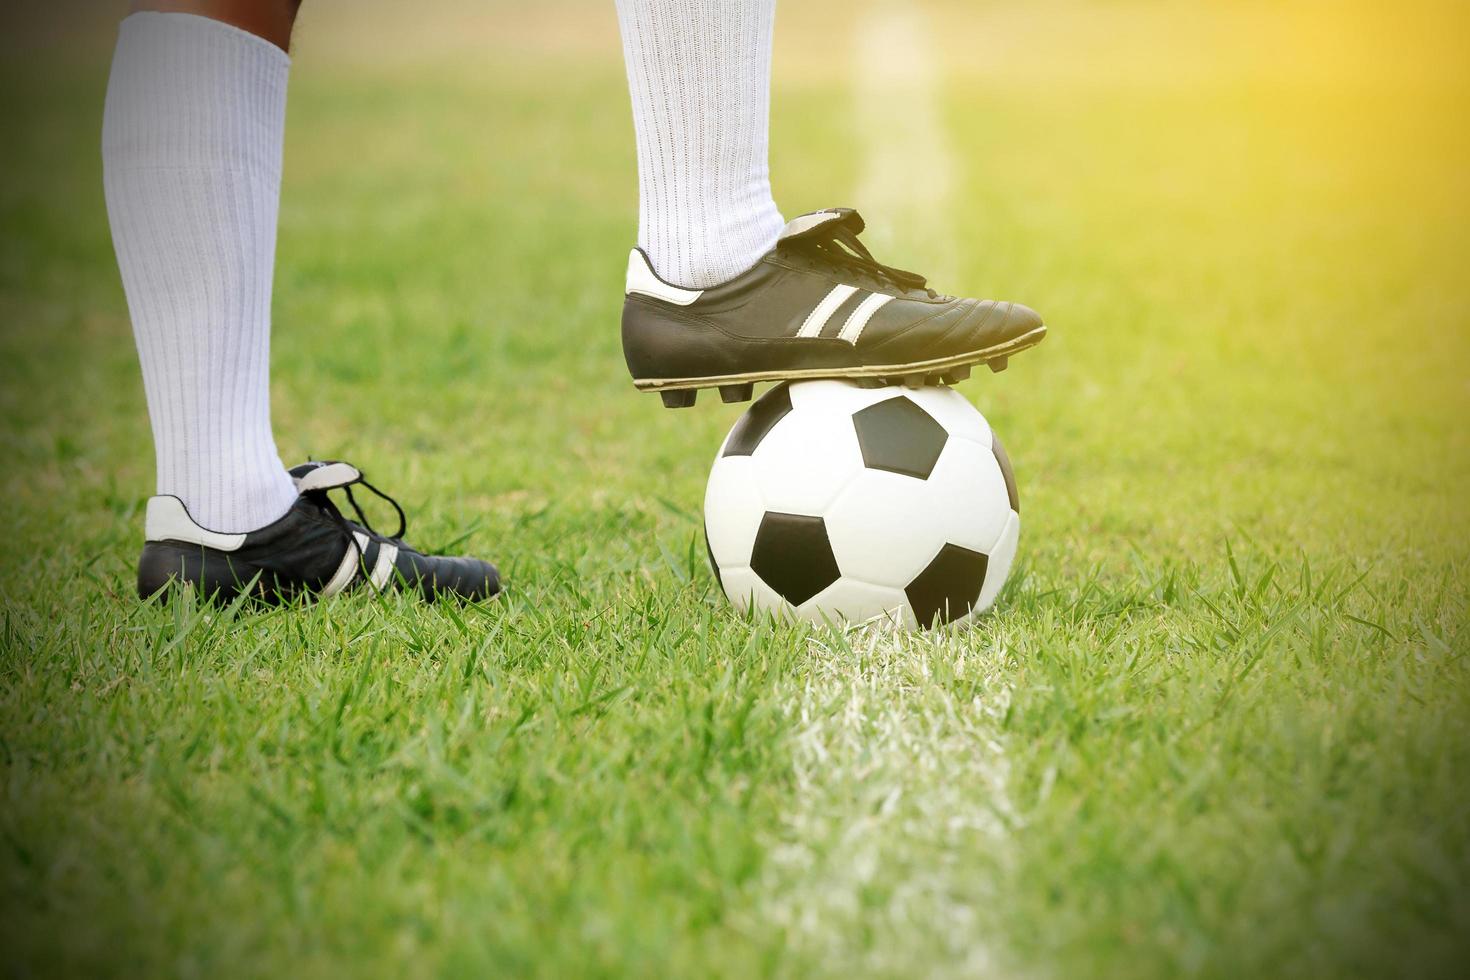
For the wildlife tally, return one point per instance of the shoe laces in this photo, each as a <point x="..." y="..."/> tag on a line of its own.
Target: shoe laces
<point x="322" y="499"/>
<point x="837" y="243"/>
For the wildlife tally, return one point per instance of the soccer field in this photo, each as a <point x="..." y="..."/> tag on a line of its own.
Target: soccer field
<point x="1218" y="725"/>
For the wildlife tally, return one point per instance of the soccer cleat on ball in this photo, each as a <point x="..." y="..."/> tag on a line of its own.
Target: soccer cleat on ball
<point x="833" y="502"/>
<point x="312" y="550"/>
<point x="818" y="305"/>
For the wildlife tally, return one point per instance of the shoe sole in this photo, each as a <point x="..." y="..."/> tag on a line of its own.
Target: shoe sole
<point x="681" y="392"/>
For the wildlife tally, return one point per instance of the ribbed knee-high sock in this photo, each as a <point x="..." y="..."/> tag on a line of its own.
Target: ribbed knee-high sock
<point x="700" y="75"/>
<point x="191" y="149"/>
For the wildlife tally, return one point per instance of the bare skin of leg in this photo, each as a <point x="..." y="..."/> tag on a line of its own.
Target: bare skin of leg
<point x="270" y="19"/>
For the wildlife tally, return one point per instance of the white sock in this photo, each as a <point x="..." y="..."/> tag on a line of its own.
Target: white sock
<point x="700" y="75"/>
<point x="191" y="152"/>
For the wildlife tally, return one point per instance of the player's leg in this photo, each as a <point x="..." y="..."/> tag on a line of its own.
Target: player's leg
<point x="719" y="293"/>
<point x="272" y="20"/>
<point x="699" y="73"/>
<point x="191" y="147"/>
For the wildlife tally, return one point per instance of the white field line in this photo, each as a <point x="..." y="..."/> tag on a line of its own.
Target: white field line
<point x="899" y="807"/>
<point x="900" y="787"/>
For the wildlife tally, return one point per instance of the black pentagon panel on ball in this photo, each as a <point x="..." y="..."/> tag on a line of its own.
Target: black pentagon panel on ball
<point x="948" y="587"/>
<point x="758" y="420"/>
<point x="1005" y="471"/>
<point x="898" y="436"/>
<point x="793" y="555"/>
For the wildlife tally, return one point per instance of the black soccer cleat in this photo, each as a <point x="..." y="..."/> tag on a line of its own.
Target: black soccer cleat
<point x="312" y="550"/>
<point x="818" y="305"/>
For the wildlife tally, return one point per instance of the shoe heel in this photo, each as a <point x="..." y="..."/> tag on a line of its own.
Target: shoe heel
<point x="163" y="567"/>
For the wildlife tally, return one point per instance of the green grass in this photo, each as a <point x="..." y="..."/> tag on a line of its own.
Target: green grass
<point x="1219" y="724"/>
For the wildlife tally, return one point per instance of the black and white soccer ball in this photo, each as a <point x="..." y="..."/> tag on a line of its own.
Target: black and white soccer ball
<point x="837" y="503"/>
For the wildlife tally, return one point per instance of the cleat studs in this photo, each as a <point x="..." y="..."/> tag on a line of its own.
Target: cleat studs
<point x="949" y="378"/>
<point x="913" y="380"/>
<point x="960" y="373"/>
<point x="679" y="398"/>
<point x="729" y="394"/>
<point x="998" y="364"/>
<point x="870" y="382"/>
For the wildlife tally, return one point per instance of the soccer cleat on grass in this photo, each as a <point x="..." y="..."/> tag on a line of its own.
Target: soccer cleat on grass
<point x="312" y="550"/>
<point x="818" y="305"/>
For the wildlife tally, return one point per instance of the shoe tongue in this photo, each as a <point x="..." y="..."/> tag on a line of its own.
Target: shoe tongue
<point x="806" y="224"/>
<point x="324" y="475"/>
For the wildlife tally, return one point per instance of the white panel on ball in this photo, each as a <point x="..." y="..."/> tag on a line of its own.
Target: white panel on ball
<point x="732" y="510"/>
<point x="885" y="528"/>
<point x="806" y="460"/>
<point x="850" y="601"/>
<point x="840" y="396"/>
<point x="744" y="588"/>
<point x="1002" y="554"/>
<point x="968" y="488"/>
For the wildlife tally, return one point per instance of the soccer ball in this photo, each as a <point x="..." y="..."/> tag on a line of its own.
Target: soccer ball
<point x="837" y="503"/>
